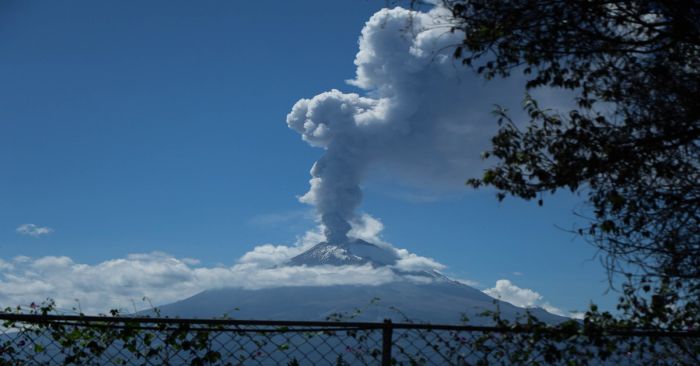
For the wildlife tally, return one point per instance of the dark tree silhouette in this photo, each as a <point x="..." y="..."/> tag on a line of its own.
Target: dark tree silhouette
<point x="631" y="144"/>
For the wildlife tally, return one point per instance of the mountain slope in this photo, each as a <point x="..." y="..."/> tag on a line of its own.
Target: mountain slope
<point x="434" y="303"/>
<point x="421" y="296"/>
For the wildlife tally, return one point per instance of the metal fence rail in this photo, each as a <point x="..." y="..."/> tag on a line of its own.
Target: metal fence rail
<point x="85" y="340"/>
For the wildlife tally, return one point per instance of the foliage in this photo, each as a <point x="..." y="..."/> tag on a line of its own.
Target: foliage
<point x="630" y="144"/>
<point x="98" y="342"/>
<point x="42" y="339"/>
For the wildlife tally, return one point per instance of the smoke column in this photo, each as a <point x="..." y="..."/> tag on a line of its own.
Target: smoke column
<point x="425" y="117"/>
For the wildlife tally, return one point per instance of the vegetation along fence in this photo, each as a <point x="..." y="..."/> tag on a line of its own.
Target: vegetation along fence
<point x="37" y="339"/>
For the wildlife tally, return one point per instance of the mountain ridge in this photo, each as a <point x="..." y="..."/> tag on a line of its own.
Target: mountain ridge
<point x="425" y="296"/>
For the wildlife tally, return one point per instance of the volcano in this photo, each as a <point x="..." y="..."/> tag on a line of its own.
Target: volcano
<point x="425" y="296"/>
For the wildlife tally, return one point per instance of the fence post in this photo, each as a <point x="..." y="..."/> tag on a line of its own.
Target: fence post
<point x="387" y="337"/>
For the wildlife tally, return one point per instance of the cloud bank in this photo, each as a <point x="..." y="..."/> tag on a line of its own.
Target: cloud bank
<point x="423" y="118"/>
<point x="123" y="282"/>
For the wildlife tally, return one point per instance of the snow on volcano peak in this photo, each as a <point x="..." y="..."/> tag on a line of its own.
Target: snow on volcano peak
<point x="355" y="252"/>
<point x="359" y="252"/>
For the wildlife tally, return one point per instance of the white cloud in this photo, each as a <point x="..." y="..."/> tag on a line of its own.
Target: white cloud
<point x="368" y="228"/>
<point x="117" y="283"/>
<point x="410" y="262"/>
<point x="467" y="282"/>
<point x="33" y="230"/>
<point x="507" y="291"/>
<point x="553" y="309"/>
<point x="191" y="261"/>
<point x="4" y="265"/>
<point x="526" y="298"/>
<point x="270" y="254"/>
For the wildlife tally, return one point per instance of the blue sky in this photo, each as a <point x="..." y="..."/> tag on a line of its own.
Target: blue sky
<point x="159" y="126"/>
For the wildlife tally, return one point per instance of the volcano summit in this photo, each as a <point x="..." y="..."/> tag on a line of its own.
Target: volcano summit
<point x="419" y="295"/>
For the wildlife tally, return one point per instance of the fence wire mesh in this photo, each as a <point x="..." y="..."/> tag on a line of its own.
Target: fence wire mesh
<point x="80" y="340"/>
<point x="429" y="346"/>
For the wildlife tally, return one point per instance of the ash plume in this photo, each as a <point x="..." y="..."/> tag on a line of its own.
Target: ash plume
<point x="423" y="118"/>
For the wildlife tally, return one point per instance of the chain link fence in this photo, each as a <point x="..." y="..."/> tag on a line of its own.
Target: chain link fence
<point x="30" y="339"/>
